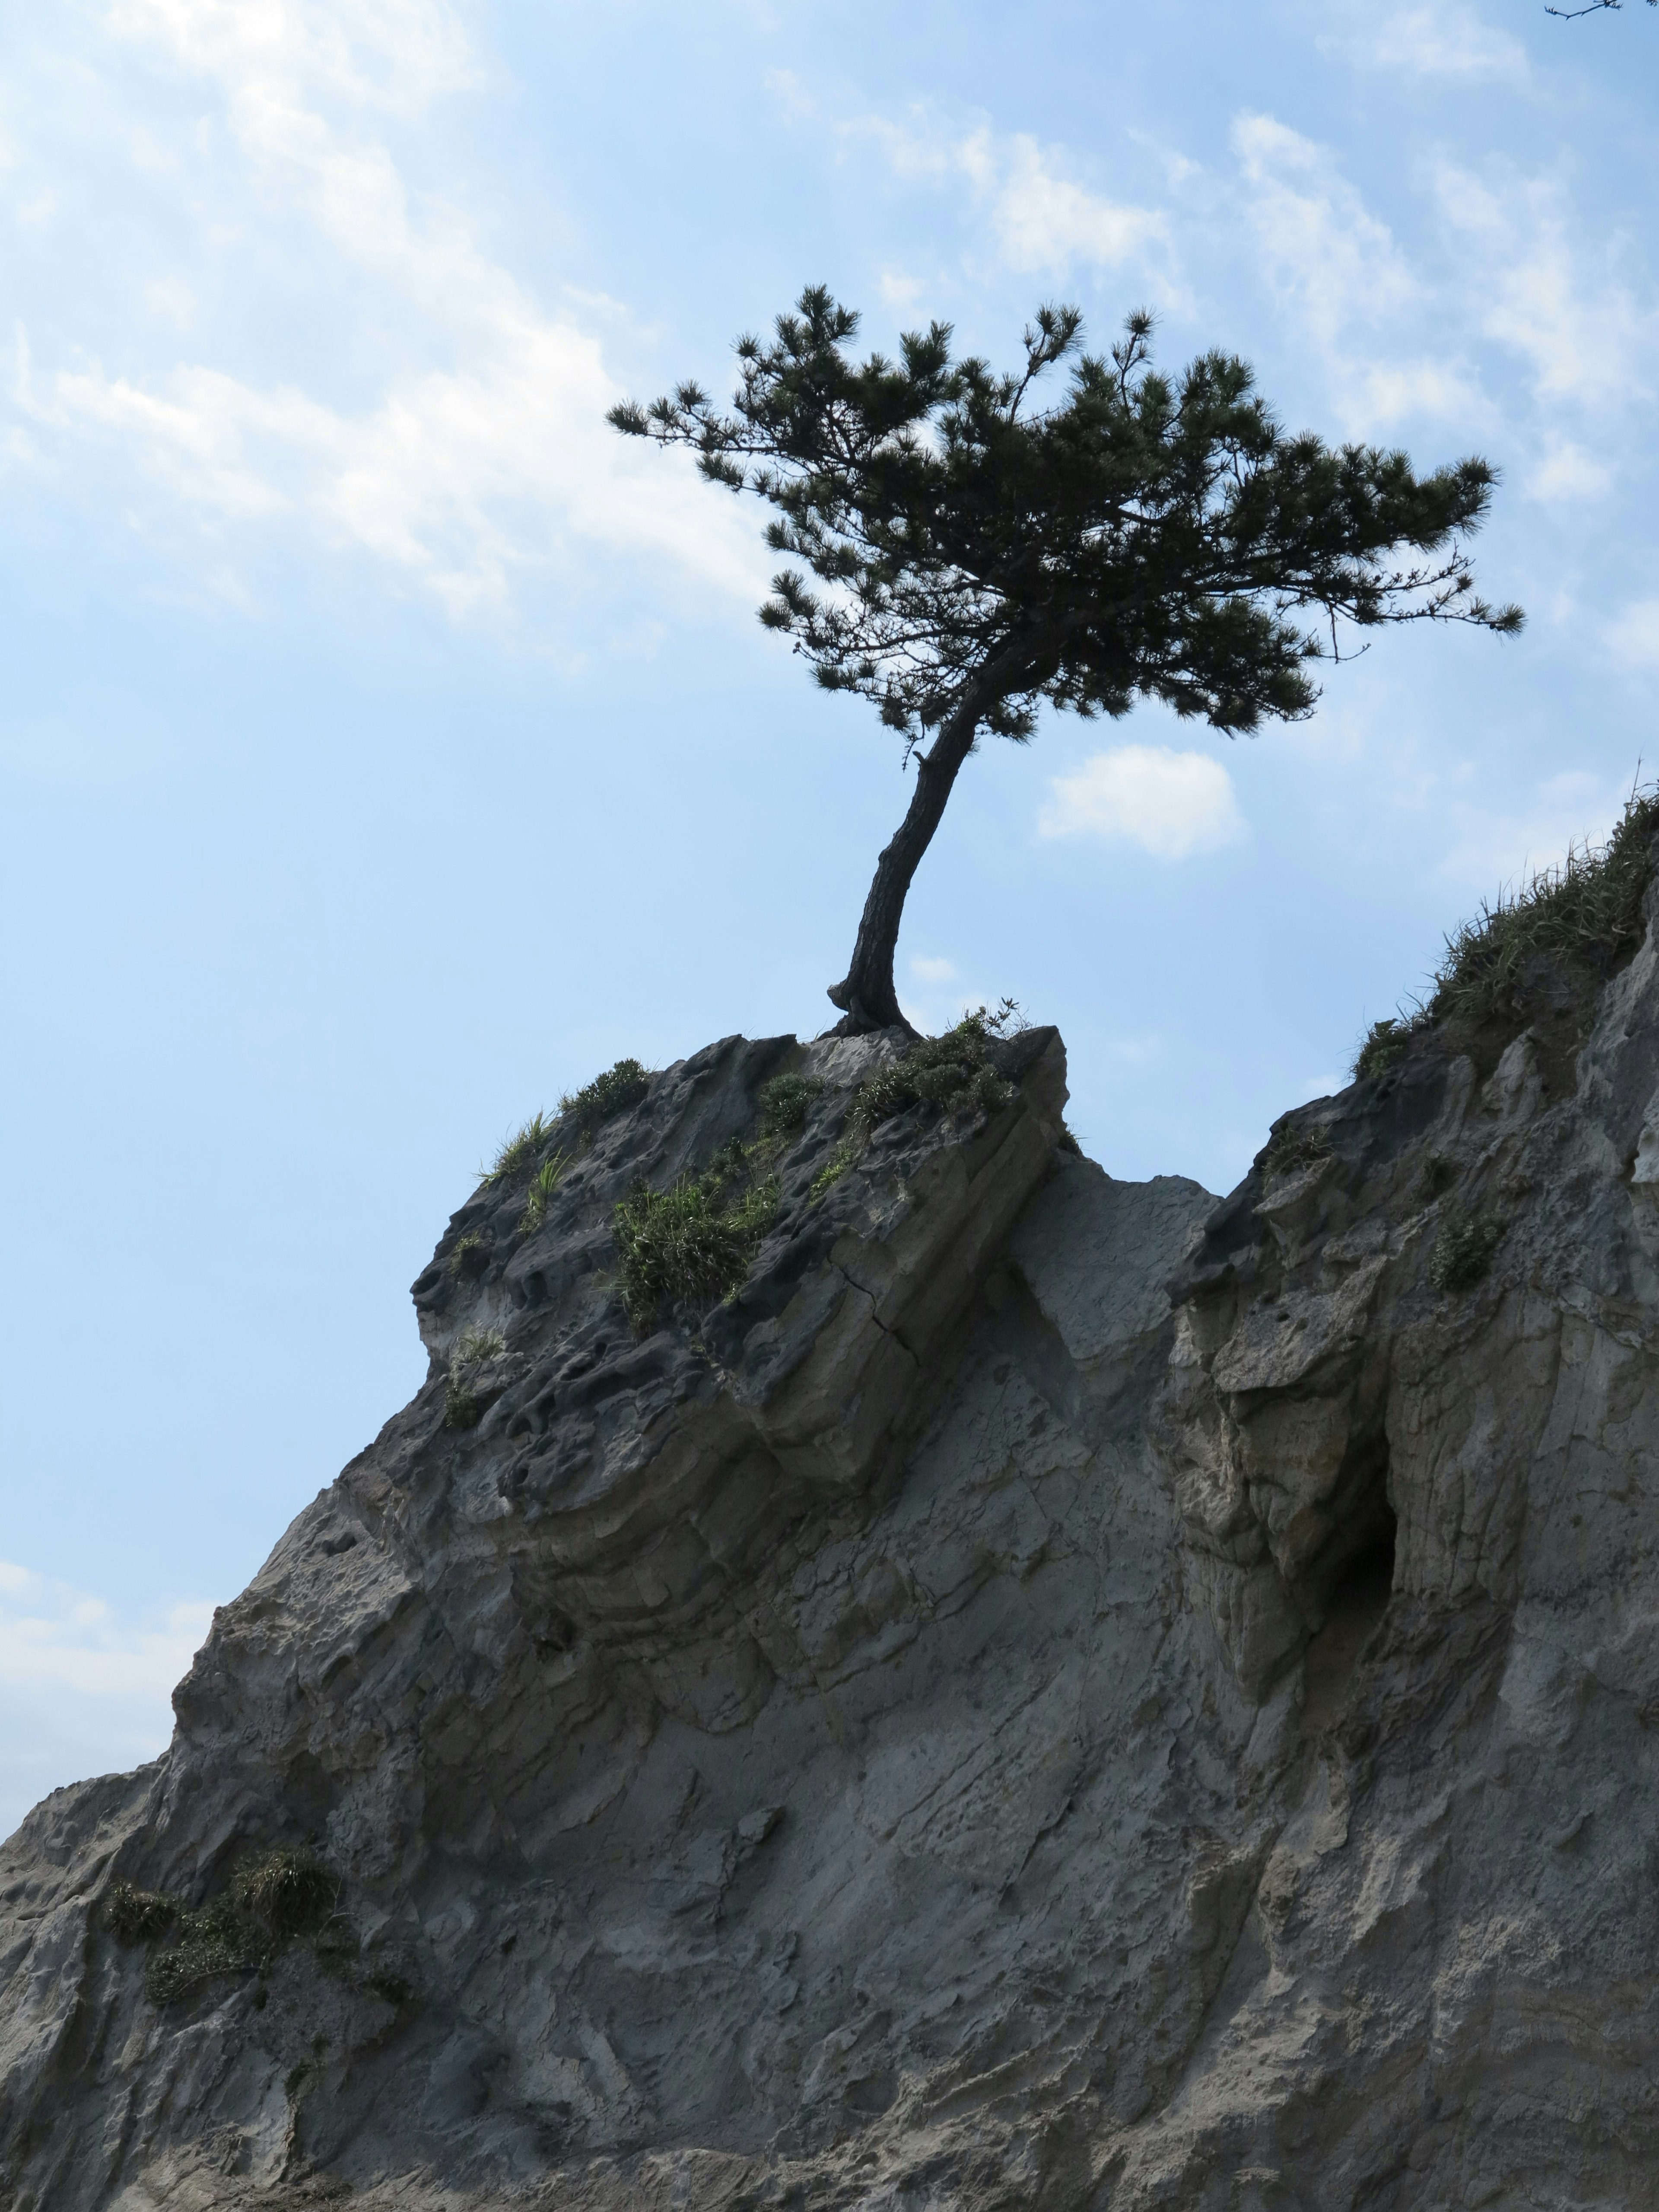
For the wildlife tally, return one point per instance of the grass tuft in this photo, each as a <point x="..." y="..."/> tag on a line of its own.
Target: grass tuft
<point x="606" y="1096"/>
<point x="1289" y="1150"/>
<point x="286" y="1894"/>
<point x="1586" y="912"/>
<point x="785" y="1103"/>
<point x="470" y="1260"/>
<point x="137" y="1916"/>
<point x="472" y="1349"/>
<point x="543" y="1184"/>
<point x="1463" y="1251"/>
<point x="692" y="1245"/>
<point x="521" y="1150"/>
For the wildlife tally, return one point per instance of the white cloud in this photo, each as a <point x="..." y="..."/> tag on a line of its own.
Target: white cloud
<point x="1447" y="39"/>
<point x="1566" y="471"/>
<point x="1172" y="804"/>
<point x="483" y="455"/>
<point x="1042" y="219"/>
<point x="1323" y="252"/>
<point x="81" y="1691"/>
<point x="926" y="970"/>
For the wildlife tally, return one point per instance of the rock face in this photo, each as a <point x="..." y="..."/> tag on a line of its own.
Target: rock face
<point x="1058" y="1692"/>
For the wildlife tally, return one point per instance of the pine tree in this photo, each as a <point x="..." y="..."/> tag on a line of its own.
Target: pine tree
<point x="974" y="556"/>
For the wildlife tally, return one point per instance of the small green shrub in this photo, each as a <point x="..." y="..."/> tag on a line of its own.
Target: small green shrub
<point x="785" y="1103"/>
<point x="211" y="1941"/>
<point x="472" y="1348"/>
<point x="137" y="1916"/>
<point x="1289" y="1149"/>
<point x="607" y="1095"/>
<point x="951" y="1073"/>
<point x="470" y="1258"/>
<point x="543" y="1184"/>
<point x="693" y="1244"/>
<point x="1589" y="909"/>
<point x="1463" y="1251"/>
<point x="521" y="1150"/>
<point x="286" y="1894"/>
<point x="1385" y="1043"/>
<point x="833" y="1168"/>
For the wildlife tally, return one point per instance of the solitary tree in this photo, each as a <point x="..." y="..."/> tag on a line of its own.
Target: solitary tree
<point x="975" y="555"/>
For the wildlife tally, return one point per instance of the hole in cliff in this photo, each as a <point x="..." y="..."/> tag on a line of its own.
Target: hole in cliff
<point x="1357" y="1606"/>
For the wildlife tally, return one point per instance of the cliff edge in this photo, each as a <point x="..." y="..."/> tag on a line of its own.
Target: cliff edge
<point x="1051" y="1691"/>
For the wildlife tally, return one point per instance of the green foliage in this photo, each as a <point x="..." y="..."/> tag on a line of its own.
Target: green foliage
<point x="1463" y="1251"/>
<point x="520" y="1150"/>
<point x="471" y="1350"/>
<point x="951" y="1073"/>
<point x="1289" y="1149"/>
<point x="469" y="1259"/>
<point x="1385" y="1043"/>
<point x="786" y="1102"/>
<point x="606" y="1096"/>
<point x="137" y="1916"/>
<point x="1588" y="909"/>
<point x="543" y="1184"/>
<point x="691" y="1244"/>
<point x="286" y="1894"/>
<point x="268" y="1902"/>
<point x="1143" y="537"/>
<point x="833" y="1168"/>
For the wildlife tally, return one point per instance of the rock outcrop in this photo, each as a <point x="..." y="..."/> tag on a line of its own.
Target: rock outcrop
<point x="1056" y="1693"/>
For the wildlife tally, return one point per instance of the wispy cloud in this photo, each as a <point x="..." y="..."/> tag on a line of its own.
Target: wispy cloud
<point x="483" y="453"/>
<point x="1449" y="40"/>
<point x="1171" y="805"/>
<point x="83" y="1691"/>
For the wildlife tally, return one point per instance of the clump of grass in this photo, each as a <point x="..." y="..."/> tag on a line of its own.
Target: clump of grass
<point x="1589" y="909"/>
<point x="785" y="1103"/>
<point x="1290" y="1149"/>
<point x="952" y="1074"/>
<point x="1385" y="1043"/>
<point x="693" y="1244"/>
<point x="607" y="1095"/>
<point x="472" y="1349"/>
<point x="1586" y="912"/>
<point x="833" y="1168"/>
<point x="521" y="1150"/>
<point x="469" y="1259"/>
<point x="137" y="1916"/>
<point x="1463" y="1251"/>
<point x="543" y="1184"/>
<point x="286" y="1894"/>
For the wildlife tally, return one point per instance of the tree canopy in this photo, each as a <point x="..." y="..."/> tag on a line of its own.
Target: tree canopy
<point x="962" y="554"/>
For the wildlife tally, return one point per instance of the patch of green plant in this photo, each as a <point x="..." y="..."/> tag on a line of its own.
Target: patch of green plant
<point x="785" y="1103"/>
<point x="952" y="1074"/>
<point x="520" y="1151"/>
<point x="1290" y="1149"/>
<point x="470" y="1257"/>
<point x="1463" y="1251"/>
<point x="543" y="1184"/>
<point x="286" y="1894"/>
<point x="607" y="1095"/>
<point x="137" y="1916"/>
<point x="472" y="1348"/>
<point x="1589" y="909"/>
<point x="1385" y="1043"/>
<point x="833" y="1168"/>
<point x="693" y="1244"/>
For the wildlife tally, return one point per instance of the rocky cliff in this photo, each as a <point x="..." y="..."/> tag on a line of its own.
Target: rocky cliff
<point x="1054" y="1691"/>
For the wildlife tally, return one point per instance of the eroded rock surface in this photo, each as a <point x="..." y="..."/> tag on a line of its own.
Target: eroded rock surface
<point x="949" y="1726"/>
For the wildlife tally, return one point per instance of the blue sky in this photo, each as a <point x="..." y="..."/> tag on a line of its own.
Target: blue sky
<point x="387" y="746"/>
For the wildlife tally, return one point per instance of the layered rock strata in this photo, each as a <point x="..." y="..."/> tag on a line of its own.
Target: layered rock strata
<point x="1057" y="1692"/>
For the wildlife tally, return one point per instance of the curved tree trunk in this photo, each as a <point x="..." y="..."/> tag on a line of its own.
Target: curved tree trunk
<point x="866" y="994"/>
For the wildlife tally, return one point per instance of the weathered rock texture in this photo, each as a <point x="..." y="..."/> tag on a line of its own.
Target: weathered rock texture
<point x="948" y="1728"/>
